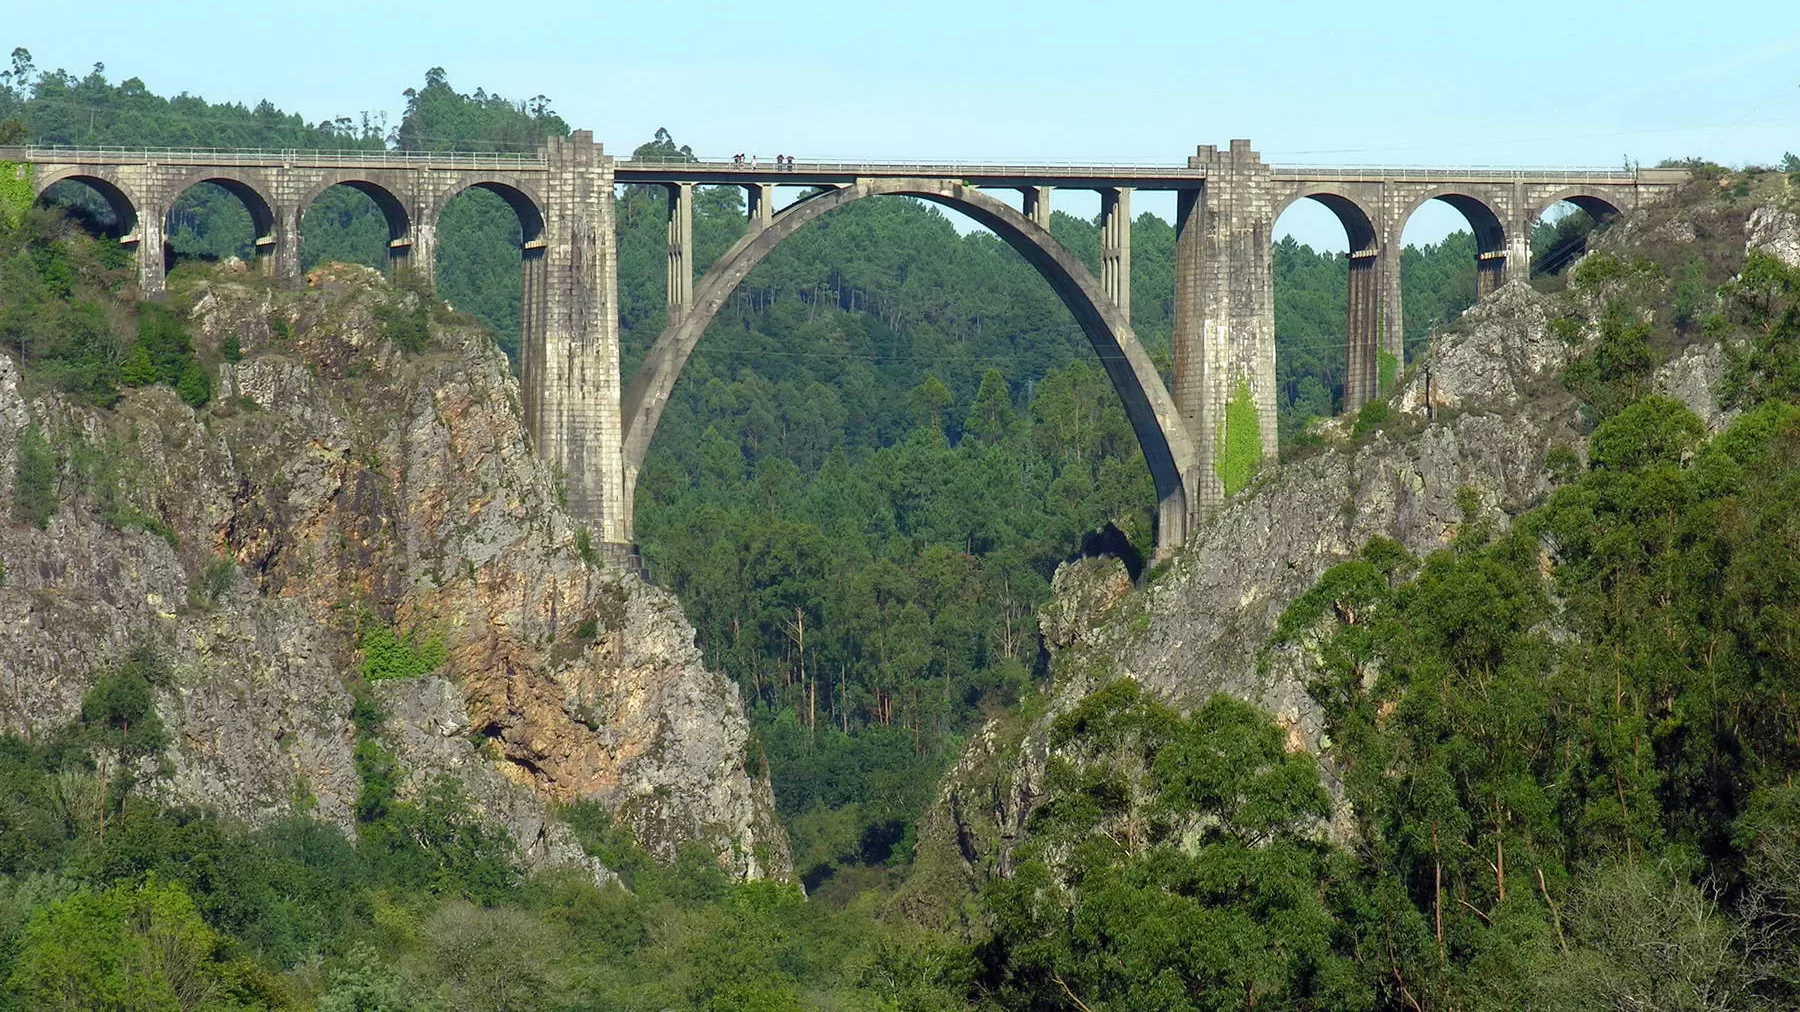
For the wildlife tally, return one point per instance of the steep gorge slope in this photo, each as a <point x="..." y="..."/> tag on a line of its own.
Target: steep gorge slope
<point x="1473" y="435"/>
<point x="341" y="499"/>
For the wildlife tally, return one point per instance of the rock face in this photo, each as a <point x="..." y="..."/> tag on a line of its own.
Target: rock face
<point x="1468" y="440"/>
<point x="335" y="486"/>
<point x="1472" y="427"/>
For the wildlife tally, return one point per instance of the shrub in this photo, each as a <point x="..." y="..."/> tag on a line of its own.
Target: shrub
<point x="1240" y="442"/>
<point x="1370" y="417"/>
<point x="386" y="654"/>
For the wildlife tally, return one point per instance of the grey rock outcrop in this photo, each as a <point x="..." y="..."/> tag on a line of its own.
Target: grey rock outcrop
<point x="334" y="486"/>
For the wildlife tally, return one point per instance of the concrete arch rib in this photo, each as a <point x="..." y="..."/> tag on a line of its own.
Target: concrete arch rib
<point x="1164" y="439"/>
<point x="118" y="196"/>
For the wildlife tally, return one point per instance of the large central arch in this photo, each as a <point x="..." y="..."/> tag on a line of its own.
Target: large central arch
<point x="1166" y="443"/>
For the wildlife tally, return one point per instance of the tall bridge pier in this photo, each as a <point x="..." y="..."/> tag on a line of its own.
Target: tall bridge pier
<point x="1201" y="434"/>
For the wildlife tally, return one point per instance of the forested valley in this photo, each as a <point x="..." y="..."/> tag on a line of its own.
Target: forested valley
<point x="868" y="475"/>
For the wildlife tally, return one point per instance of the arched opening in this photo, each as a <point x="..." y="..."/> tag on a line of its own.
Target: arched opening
<point x="887" y="436"/>
<point x="1325" y="275"/>
<point x="485" y="231"/>
<point x="354" y="222"/>
<point x="1454" y="252"/>
<point x="94" y="203"/>
<point x="1559" y="232"/>
<point x="1161" y="435"/>
<point x="219" y="217"/>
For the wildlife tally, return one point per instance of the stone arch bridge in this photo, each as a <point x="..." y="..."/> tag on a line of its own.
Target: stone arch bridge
<point x="596" y="429"/>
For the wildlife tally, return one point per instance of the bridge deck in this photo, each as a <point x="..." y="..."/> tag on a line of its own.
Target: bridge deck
<point x="820" y="173"/>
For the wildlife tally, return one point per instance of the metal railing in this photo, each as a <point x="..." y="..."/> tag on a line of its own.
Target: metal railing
<point x="387" y="158"/>
<point x="277" y="157"/>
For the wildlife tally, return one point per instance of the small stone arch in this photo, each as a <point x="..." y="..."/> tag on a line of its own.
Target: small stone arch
<point x="119" y="198"/>
<point x="250" y="190"/>
<point x="1362" y="318"/>
<point x="517" y="194"/>
<point x="1598" y="207"/>
<point x="1360" y="226"/>
<point x="392" y="208"/>
<point x="1161" y="434"/>
<point x="1479" y="212"/>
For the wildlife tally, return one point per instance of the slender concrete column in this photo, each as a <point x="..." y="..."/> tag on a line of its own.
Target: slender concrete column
<point x="1036" y="205"/>
<point x="1363" y="339"/>
<point x="681" y="244"/>
<point x="152" y="255"/>
<point x="1115" y="246"/>
<point x="761" y="201"/>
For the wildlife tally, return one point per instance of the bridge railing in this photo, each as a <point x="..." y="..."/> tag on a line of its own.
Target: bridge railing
<point x="381" y="158"/>
<point x="276" y="157"/>
<point x="956" y="168"/>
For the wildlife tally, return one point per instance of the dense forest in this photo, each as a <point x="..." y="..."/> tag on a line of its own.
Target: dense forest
<point x="860" y="491"/>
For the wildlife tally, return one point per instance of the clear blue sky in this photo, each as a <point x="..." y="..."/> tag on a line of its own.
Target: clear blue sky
<point x="1575" y="83"/>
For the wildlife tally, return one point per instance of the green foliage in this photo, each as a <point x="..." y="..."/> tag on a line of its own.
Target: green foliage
<point x="1173" y="865"/>
<point x="1240" y="449"/>
<point x="119" y="712"/>
<point x="142" y="948"/>
<point x="1387" y="371"/>
<point x="1371" y="416"/>
<point x="1763" y="299"/>
<point x="1619" y="367"/>
<point x="584" y="546"/>
<point x="1553" y="753"/>
<point x="387" y="654"/>
<point x="406" y="323"/>
<point x="34" y="479"/>
<point x="16" y="194"/>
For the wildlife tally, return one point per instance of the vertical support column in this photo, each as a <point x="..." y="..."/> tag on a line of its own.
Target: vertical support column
<point x="1036" y="204"/>
<point x="284" y="264"/>
<point x="1388" y="233"/>
<point x="681" y="241"/>
<point x="761" y="205"/>
<point x="1115" y="247"/>
<point x="1201" y="493"/>
<point x="1490" y="273"/>
<point x="152" y="256"/>
<point x="1518" y="235"/>
<point x="1228" y="312"/>
<point x="416" y="250"/>
<point x="569" y="337"/>
<point x="1362" y="375"/>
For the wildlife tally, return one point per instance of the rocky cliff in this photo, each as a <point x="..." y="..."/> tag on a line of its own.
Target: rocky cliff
<point x="338" y="495"/>
<point x="1466" y="438"/>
